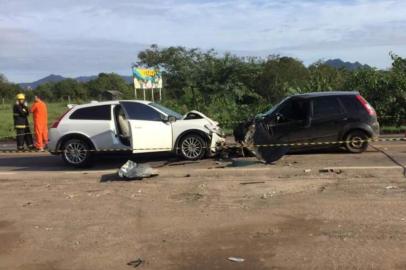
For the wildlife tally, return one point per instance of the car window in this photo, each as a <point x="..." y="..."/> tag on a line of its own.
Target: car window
<point x="352" y="105"/>
<point x="168" y="111"/>
<point x="324" y="106"/>
<point x="276" y="107"/>
<point x="139" y="111"/>
<point x="293" y="110"/>
<point x="102" y="112"/>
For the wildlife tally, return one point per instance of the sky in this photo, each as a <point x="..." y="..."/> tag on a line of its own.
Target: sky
<point x="75" y="38"/>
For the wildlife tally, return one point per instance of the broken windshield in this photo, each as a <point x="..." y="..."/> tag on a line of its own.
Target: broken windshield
<point x="168" y="111"/>
<point x="273" y="109"/>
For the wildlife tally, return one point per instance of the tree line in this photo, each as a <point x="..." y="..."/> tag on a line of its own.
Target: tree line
<point x="230" y="88"/>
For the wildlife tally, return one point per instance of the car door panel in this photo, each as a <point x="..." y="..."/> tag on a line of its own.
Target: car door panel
<point x="328" y="118"/>
<point x="292" y="128"/>
<point x="327" y="128"/>
<point x="150" y="136"/>
<point x="148" y="132"/>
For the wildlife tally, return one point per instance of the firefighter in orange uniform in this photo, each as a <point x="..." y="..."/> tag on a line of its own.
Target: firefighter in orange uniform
<point x="40" y="115"/>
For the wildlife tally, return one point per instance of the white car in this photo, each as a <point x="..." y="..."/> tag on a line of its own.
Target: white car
<point x="131" y="125"/>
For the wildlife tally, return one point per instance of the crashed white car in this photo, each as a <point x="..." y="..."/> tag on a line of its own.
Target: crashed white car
<point x="131" y="125"/>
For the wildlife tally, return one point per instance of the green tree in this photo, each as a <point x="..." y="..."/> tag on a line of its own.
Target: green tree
<point x="69" y="88"/>
<point x="45" y="91"/>
<point x="279" y="76"/>
<point x="106" y="82"/>
<point x="8" y="90"/>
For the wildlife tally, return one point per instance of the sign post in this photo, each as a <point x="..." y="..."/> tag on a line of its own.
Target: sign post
<point x="147" y="79"/>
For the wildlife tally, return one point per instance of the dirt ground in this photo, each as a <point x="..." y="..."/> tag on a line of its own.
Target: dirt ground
<point x="194" y="216"/>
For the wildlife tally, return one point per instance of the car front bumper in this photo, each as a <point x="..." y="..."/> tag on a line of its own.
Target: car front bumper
<point x="217" y="142"/>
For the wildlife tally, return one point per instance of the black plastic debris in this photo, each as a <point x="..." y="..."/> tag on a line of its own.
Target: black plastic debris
<point x="241" y="130"/>
<point x="259" y="138"/>
<point x="136" y="263"/>
<point x="264" y="140"/>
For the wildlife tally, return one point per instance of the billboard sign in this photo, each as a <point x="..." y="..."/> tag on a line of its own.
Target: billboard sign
<point x="146" y="78"/>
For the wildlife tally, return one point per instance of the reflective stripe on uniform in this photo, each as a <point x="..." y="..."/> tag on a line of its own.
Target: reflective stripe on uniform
<point x="20" y="126"/>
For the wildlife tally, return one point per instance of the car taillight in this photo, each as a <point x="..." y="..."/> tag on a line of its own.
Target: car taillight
<point x="366" y="105"/>
<point x="56" y="123"/>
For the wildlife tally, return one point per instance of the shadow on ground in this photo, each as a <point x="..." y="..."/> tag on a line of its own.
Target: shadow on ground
<point x="47" y="162"/>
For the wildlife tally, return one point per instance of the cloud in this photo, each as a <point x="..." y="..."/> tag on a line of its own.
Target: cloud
<point x="106" y="35"/>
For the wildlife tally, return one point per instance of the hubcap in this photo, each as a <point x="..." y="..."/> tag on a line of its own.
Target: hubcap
<point x="75" y="153"/>
<point x="192" y="147"/>
<point x="356" y="142"/>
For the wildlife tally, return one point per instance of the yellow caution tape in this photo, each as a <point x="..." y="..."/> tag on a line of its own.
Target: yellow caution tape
<point x="223" y="147"/>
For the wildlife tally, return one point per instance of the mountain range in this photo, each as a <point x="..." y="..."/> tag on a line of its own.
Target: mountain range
<point x="340" y="64"/>
<point x="335" y="63"/>
<point x="57" y="78"/>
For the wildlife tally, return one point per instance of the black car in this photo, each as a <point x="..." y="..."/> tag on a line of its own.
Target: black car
<point x="314" y="118"/>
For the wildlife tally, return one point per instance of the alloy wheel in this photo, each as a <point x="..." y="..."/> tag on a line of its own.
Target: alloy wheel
<point x="192" y="147"/>
<point x="76" y="152"/>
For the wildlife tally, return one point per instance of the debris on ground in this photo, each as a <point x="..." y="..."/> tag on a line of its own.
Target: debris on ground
<point x="257" y="137"/>
<point x="187" y="197"/>
<point x="136" y="263"/>
<point x="221" y="165"/>
<point x="69" y="196"/>
<point x="268" y="195"/>
<point x="252" y="183"/>
<point x="182" y="163"/>
<point x="307" y="170"/>
<point x="243" y="163"/>
<point x="236" y="259"/>
<point x="133" y="171"/>
<point x="330" y="170"/>
<point x="26" y="204"/>
<point x="391" y="187"/>
<point x="322" y="188"/>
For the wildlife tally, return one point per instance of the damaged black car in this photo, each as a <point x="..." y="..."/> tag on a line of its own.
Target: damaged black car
<point x="311" y="120"/>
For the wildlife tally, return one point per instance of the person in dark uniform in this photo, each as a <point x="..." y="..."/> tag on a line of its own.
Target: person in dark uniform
<point x="20" y="112"/>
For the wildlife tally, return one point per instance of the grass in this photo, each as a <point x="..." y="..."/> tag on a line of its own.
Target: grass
<point x="7" y="124"/>
<point x="393" y="129"/>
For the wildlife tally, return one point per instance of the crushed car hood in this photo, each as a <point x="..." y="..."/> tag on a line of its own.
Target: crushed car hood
<point x="198" y="115"/>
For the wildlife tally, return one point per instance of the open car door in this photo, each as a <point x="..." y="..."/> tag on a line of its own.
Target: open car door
<point x="149" y="133"/>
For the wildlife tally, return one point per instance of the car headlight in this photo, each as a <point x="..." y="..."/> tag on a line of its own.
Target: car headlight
<point x="214" y="129"/>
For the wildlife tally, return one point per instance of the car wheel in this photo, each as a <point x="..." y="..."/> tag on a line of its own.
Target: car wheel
<point x="192" y="147"/>
<point x="356" y="141"/>
<point x="76" y="152"/>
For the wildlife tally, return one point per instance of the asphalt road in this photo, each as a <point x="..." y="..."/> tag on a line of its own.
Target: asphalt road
<point x="195" y="215"/>
<point x="317" y="158"/>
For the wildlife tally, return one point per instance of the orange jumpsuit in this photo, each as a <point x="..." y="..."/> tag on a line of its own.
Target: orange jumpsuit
<point x="40" y="115"/>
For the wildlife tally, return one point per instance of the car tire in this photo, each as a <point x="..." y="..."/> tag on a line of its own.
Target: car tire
<point x="356" y="141"/>
<point x="76" y="153"/>
<point x="192" y="147"/>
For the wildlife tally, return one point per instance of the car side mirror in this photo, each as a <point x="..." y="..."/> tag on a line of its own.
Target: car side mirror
<point x="171" y="118"/>
<point x="168" y="118"/>
<point x="164" y="118"/>
<point x="278" y="117"/>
